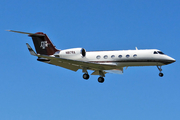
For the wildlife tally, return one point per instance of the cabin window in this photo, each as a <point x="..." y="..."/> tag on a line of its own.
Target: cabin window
<point x="98" y="57"/>
<point x="105" y="57"/>
<point x="127" y="56"/>
<point x="135" y="55"/>
<point x="120" y="56"/>
<point x="112" y="56"/>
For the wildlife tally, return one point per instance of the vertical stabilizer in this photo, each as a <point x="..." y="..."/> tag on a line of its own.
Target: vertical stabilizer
<point x="43" y="44"/>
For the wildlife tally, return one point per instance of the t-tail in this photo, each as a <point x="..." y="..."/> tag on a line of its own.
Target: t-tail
<point x="42" y="43"/>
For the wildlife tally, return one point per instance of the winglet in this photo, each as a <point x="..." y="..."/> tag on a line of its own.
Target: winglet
<point x="31" y="50"/>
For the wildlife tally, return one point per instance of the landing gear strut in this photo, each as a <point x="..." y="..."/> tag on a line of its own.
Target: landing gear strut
<point x="160" y="74"/>
<point x="85" y="75"/>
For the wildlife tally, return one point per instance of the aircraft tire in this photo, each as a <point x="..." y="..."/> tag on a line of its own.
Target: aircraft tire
<point x="86" y="76"/>
<point x="161" y="74"/>
<point x="100" y="79"/>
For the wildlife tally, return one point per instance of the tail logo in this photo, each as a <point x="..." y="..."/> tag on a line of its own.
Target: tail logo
<point x="44" y="44"/>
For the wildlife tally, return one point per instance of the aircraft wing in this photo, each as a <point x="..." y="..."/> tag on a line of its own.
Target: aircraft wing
<point x="68" y="63"/>
<point x="74" y="65"/>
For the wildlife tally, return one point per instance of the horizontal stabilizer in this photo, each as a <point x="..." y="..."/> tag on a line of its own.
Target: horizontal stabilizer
<point x="31" y="50"/>
<point x="30" y="34"/>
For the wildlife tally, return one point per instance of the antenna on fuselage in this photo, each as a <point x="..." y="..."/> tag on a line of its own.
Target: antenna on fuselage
<point x="136" y="48"/>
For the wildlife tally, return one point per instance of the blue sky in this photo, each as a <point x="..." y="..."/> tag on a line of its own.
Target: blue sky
<point x="33" y="90"/>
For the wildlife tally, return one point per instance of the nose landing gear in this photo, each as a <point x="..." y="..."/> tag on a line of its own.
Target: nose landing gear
<point x="160" y="74"/>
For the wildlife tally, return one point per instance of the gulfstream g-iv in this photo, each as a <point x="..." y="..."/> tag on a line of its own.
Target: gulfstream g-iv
<point x="100" y="62"/>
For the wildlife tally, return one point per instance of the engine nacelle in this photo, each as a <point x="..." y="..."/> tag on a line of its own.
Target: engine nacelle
<point x="74" y="53"/>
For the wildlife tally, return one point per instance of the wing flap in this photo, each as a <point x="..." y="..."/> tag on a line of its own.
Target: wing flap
<point x="96" y="72"/>
<point x="115" y="71"/>
<point x="64" y="65"/>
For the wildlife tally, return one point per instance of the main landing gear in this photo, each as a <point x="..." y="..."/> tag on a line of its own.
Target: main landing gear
<point x="160" y="74"/>
<point x="100" y="79"/>
<point x="86" y="76"/>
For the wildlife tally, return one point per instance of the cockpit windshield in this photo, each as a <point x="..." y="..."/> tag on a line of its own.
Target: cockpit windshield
<point x="158" y="52"/>
<point x="155" y="52"/>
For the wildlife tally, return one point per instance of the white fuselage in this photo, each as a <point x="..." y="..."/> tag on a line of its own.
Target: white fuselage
<point x="125" y="58"/>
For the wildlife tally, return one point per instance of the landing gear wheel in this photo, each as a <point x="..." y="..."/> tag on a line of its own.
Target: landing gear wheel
<point x="86" y="76"/>
<point x="100" y="79"/>
<point x="161" y="74"/>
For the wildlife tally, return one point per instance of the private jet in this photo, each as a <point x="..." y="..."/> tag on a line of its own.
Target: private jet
<point x="101" y="62"/>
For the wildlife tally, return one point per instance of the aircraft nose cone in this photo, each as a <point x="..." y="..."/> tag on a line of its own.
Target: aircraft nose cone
<point x="171" y="60"/>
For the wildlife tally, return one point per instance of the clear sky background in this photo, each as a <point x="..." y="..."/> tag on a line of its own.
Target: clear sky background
<point x="31" y="90"/>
